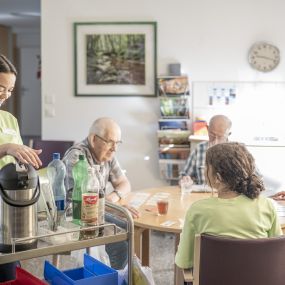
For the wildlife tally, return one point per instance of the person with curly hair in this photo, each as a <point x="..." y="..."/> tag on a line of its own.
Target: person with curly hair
<point x="239" y="211"/>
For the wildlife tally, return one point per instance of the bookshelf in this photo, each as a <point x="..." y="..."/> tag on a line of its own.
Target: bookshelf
<point x="173" y="126"/>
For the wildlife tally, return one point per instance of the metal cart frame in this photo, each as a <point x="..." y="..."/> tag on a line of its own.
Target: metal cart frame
<point x="127" y="235"/>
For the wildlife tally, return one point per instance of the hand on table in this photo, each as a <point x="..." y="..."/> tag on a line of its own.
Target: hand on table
<point x="186" y="179"/>
<point x="24" y="154"/>
<point x="279" y="196"/>
<point x="134" y="212"/>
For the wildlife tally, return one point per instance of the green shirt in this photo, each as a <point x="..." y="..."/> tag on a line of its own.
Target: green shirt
<point x="239" y="217"/>
<point x="9" y="133"/>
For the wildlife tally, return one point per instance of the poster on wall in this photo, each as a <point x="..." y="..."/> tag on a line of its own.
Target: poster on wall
<point x="256" y="109"/>
<point x="115" y="59"/>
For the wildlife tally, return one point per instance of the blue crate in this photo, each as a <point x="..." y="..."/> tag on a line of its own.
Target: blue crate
<point x="93" y="272"/>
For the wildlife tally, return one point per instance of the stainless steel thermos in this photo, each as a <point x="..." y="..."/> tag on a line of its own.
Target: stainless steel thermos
<point x="19" y="192"/>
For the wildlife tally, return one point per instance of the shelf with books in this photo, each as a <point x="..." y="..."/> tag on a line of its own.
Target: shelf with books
<point x="174" y="107"/>
<point x="173" y="137"/>
<point x="173" y="85"/>
<point x="174" y="125"/>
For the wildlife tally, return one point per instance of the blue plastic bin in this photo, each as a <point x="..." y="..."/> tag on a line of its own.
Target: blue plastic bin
<point x="93" y="272"/>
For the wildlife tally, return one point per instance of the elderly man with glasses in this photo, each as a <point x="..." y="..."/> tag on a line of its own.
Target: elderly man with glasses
<point x="218" y="132"/>
<point x="99" y="148"/>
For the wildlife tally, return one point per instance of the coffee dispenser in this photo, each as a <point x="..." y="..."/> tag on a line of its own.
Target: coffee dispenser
<point x="19" y="192"/>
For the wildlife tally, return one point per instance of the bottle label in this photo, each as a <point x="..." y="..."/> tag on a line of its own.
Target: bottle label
<point x="89" y="208"/>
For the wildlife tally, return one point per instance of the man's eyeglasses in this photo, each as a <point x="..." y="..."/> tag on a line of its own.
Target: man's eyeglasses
<point x="109" y="143"/>
<point x="224" y="137"/>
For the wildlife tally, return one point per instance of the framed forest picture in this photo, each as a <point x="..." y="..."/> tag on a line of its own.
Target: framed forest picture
<point x="115" y="59"/>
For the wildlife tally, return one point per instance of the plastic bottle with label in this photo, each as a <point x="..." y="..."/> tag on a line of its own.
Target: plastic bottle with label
<point x="89" y="207"/>
<point x="80" y="176"/>
<point x="56" y="172"/>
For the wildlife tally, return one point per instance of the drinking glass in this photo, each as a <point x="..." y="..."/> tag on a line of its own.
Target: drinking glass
<point x="162" y="207"/>
<point x="186" y="186"/>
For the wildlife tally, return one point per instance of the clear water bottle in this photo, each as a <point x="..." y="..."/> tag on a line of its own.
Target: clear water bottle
<point x="101" y="205"/>
<point x="90" y="201"/>
<point x="101" y="211"/>
<point x="80" y="176"/>
<point x="56" y="172"/>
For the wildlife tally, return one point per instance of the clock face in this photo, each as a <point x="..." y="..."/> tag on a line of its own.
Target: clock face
<point x="264" y="56"/>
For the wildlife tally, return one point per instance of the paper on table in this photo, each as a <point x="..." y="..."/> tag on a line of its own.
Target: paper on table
<point x="181" y="221"/>
<point x="139" y="199"/>
<point x="280" y="209"/>
<point x="168" y="223"/>
<point x="161" y="195"/>
<point x="201" y="188"/>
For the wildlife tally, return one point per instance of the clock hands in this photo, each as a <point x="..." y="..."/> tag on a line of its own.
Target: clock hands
<point x="264" y="57"/>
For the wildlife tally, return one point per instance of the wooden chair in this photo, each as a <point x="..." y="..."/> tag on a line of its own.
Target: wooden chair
<point x="229" y="261"/>
<point x="49" y="147"/>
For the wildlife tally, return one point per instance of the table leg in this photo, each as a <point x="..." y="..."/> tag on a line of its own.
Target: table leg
<point x="141" y="240"/>
<point x="55" y="260"/>
<point x="178" y="274"/>
<point x="137" y="242"/>
<point x="145" y="247"/>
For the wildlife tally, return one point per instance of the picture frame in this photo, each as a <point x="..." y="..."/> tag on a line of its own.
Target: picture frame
<point x="115" y="59"/>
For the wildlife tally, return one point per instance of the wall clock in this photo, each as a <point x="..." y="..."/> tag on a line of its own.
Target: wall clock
<point x="264" y="56"/>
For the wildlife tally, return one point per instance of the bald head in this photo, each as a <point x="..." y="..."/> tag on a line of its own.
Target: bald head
<point x="104" y="137"/>
<point x="220" y="120"/>
<point x="103" y="126"/>
<point x="219" y="129"/>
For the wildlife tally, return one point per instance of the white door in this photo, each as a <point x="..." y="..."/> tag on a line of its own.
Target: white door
<point x="30" y="92"/>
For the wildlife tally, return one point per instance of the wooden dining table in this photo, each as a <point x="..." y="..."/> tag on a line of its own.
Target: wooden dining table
<point x="172" y="222"/>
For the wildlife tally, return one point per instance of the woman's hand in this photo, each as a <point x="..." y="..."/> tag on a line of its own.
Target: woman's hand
<point x="279" y="196"/>
<point x="24" y="154"/>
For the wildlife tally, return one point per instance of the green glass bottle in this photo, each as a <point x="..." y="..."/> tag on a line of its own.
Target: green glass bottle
<point x="80" y="174"/>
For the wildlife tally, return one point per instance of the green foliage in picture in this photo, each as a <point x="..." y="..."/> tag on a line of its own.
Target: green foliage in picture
<point x="115" y="59"/>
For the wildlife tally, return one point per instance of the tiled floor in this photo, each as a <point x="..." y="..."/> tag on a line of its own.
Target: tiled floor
<point x="162" y="258"/>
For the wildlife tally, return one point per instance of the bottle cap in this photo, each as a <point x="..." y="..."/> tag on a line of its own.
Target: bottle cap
<point x="81" y="157"/>
<point x="56" y="155"/>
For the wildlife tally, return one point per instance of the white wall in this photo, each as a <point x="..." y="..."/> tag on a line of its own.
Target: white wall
<point x="210" y="38"/>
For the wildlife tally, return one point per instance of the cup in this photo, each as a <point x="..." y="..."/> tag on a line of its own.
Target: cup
<point x="186" y="187"/>
<point x="162" y="207"/>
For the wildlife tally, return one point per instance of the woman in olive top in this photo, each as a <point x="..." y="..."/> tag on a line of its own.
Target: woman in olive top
<point x="238" y="211"/>
<point x="10" y="140"/>
<point x="11" y="146"/>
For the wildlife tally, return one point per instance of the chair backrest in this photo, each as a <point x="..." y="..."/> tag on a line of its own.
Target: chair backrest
<point x="49" y="147"/>
<point x="229" y="261"/>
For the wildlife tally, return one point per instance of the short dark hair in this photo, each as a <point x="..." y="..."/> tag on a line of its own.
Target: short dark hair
<point x="6" y="66"/>
<point x="236" y="168"/>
